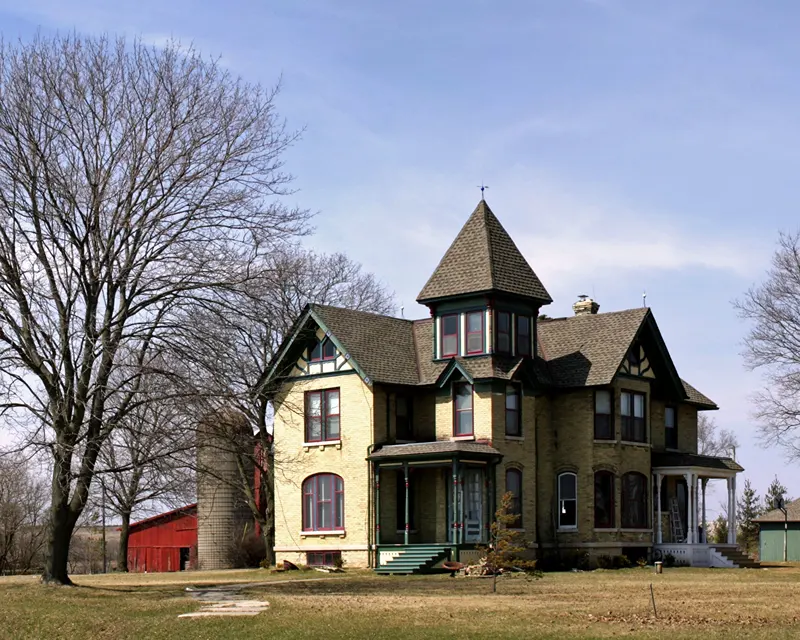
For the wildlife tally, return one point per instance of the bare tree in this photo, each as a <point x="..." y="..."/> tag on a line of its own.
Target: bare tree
<point x="713" y="441"/>
<point x="240" y="343"/>
<point x="133" y="181"/>
<point x="773" y="345"/>
<point x="23" y="504"/>
<point x="146" y="464"/>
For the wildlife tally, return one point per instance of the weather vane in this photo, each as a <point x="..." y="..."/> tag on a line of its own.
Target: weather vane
<point x="482" y="186"/>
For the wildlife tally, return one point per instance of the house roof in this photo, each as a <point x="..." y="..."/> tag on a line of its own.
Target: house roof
<point x="483" y="258"/>
<point x="697" y="398"/>
<point x="189" y="509"/>
<point x="776" y="515"/>
<point x="433" y="449"/>
<point x="676" y="459"/>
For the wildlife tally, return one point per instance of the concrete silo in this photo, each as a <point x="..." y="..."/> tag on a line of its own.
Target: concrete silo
<point x="224" y="519"/>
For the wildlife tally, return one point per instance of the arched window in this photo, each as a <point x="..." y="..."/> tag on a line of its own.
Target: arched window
<point x="323" y="503"/>
<point x="604" y="500"/>
<point x="567" y="501"/>
<point x="634" y="501"/>
<point x="514" y="487"/>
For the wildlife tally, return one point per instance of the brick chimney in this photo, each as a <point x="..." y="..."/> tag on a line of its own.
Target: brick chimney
<point x="585" y="306"/>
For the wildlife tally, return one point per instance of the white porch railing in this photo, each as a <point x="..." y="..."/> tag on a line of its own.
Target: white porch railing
<point x="693" y="555"/>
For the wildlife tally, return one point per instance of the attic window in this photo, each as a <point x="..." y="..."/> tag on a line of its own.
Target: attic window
<point x="323" y="350"/>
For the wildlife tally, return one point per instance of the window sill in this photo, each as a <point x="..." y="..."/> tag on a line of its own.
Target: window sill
<point x="605" y="441"/>
<point x="321" y="445"/>
<point x="323" y="534"/>
<point x="567" y="530"/>
<point x="623" y="530"/>
<point x="515" y="438"/>
<point x="459" y="438"/>
<point x="633" y="443"/>
<point x="606" y="530"/>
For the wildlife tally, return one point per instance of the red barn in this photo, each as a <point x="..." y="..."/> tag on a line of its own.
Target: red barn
<point x="166" y="542"/>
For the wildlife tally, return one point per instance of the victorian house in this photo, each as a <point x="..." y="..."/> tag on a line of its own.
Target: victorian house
<point x="399" y="437"/>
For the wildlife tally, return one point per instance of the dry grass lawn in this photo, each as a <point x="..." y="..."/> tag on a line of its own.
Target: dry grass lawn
<point x="691" y="603"/>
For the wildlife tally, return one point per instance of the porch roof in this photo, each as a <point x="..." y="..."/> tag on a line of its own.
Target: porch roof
<point x="678" y="460"/>
<point x="438" y="449"/>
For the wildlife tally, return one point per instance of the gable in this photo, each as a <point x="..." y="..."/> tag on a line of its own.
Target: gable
<point x="310" y="363"/>
<point x="636" y="362"/>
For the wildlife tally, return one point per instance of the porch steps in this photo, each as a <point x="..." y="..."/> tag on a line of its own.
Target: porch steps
<point x="414" y="559"/>
<point x="738" y="557"/>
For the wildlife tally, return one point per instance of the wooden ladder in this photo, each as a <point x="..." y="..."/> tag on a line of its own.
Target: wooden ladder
<point x="676" y="527"/>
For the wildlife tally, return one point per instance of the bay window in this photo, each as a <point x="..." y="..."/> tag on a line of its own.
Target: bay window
<point x="634" y="501"/>
<point x="604" y="500"/>
<point x="474" y="332"/>
<point x="603" y="416"/>
<point x="503" y="332"/>
<point x="450" y="335"/>
<point x="632" y="414"/>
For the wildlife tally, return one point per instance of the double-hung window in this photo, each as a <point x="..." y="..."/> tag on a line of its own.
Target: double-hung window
<point x="567" y="501"/>
<point x="474" y="332"/>
<point x="603" y="416"/>
<point x="323" y="503"/>
<point x="604" y="500"/>
<point x="670" y="428"/>
<point x="462" y="419"/>
<point x="503" y="332"/>
<point x="523" y="336"/>
<point x="634" y="501"/>
<point x="514" y="487"/>
<point x="632" y="414"/>
<point x="402" y="414"/>
<point x="322" y="415"/>
<point x="513" y="422"/>
<point x="450" y="335"/>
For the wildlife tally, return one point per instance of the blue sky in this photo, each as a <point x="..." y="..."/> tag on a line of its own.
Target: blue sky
<point x="629" y="145"/>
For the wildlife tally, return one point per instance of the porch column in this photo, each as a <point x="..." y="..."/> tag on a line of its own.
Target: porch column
<point x="490" y="498"/>
<point x="690" y="490"/>
<point x="454" y="505"/>
<point x="730" y="511"/>
<point x="461" y="505"/>
<point x="659" y="535"/>
<point x="377" y="506"/>
<point x="733" y="511"/>
<point x="405" y="475"/>
<point x="704" y="483"/>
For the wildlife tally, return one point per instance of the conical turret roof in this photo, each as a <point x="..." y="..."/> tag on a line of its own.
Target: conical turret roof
<point x="483" y="258"/>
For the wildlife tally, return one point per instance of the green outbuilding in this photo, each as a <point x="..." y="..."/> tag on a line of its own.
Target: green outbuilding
<point x="779" y="534"/>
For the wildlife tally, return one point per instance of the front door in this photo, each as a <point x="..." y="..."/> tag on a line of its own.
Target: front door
<point x="473" y="505"/>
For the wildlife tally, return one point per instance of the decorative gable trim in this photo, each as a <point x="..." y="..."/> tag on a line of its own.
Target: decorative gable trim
<point x="454" y="366"/>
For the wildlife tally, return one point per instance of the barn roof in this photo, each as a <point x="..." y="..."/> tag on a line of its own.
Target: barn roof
<point x="188" y="510"/>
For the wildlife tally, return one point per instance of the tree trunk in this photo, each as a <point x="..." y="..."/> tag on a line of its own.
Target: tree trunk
<point x="267" y="532"/>
<point x="59" y="536"/>
<point x="124" y="533"/>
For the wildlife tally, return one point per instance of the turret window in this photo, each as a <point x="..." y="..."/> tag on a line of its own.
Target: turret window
<point x="475" y="332"/>
<point x="449" y="336"/>
<point x="523" y="335"/>
<point x="503" y="332"/>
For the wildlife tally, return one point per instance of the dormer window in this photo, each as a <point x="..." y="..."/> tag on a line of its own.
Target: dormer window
<point x="523" y="335"/>
<point x="450" y="336"/>
<point x="474" y="332"/>
<point x="323" y="350"/>
<point x="503" y="332"/>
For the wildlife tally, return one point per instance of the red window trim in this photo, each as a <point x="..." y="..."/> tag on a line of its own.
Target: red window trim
<point x="498" y="333"/>
<point x="482" y="331"/>
<point x="456" y="410"/>
<point x="322" y="357"/>
<point x="323" y="554"/>
<point x="457" y="334"/>
<point x="323" y="415"/>
<point x="312" y="483"/>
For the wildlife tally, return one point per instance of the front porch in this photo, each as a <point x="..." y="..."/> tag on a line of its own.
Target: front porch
<point x="431" y="502"/>
<point x="681" y="529"/>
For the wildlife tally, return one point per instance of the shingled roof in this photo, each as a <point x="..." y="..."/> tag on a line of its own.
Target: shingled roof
<point x="587" y="350"/>
<point x="383" y="346"/>
<point x="483" y="258"/>
<point x="697" y="398"/>
<point x="776" y="515"/>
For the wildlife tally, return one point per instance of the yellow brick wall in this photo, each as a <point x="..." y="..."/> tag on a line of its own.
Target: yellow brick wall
<point x="294" y="462"/>
<point x="687" y="428"/>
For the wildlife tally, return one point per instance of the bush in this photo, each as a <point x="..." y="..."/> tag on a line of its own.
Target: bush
<point x="642" y="562"/>
<point x="669" y="560"/>
<point x="605" y="562"/>
<point x="622" y="562"/>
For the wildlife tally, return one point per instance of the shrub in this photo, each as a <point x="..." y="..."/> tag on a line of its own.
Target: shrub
<point x="621" y="562"/>
<point x="642" y="562"/>
<point x="669" y="560"/>
<point x="605" y="562"/>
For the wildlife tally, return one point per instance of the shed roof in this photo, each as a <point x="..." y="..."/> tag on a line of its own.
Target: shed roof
<point x="776" y="515"/>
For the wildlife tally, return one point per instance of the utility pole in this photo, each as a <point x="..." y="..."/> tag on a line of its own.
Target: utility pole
<point x="103" y="517"/>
